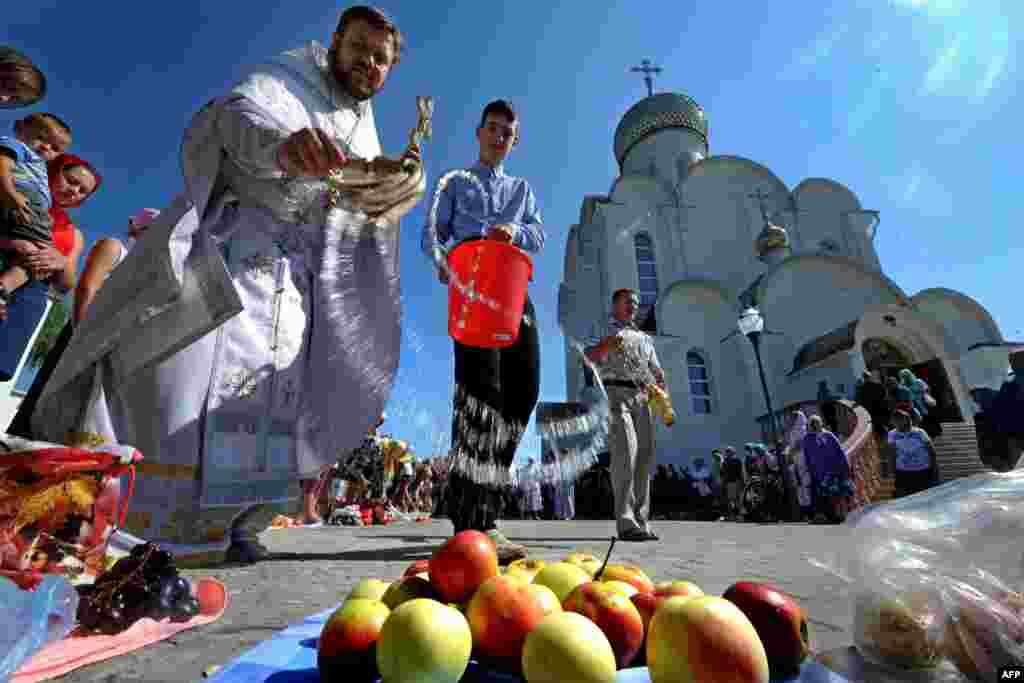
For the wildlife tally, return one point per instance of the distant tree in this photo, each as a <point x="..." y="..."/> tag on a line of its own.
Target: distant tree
<point x="52" y="327"/>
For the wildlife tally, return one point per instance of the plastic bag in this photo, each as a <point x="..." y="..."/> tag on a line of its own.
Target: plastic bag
<point x="33" y="619"/>
<point x="936" y="580"/>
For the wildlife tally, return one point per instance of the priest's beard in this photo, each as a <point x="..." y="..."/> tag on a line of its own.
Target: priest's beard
<point x="359" y="89"/>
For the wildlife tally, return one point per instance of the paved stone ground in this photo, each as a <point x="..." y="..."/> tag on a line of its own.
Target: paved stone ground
<point x="313" y="569"/>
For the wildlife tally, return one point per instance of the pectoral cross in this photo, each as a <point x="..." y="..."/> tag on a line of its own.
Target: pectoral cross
<point x="648" y="70"/>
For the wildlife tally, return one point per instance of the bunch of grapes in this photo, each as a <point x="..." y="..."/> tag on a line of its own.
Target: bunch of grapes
<point x="144" y="584"/>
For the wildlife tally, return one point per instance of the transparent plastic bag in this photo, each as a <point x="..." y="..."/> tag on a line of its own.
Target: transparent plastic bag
<point x="31" y="619"/>
<point x="936" y="580"/>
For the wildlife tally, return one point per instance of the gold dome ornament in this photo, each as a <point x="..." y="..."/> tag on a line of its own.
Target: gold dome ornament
<point x="773" y="239"/>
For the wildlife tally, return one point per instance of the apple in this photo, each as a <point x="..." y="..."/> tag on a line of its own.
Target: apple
<point x="561" y="578"/>
<point x="647" y="604"/>
<point x="627" y="589"/>
<point x="370" y="589"/>
<point x="628" y="574"/>
<point x="417" y="567"/>
<point x="526" y="567"/>
<point x="549" y="603"/>
<point x="613" y="613"/>
<point x="584" y="561"/>
<point x="465" y="561"/>
<point x="983" y="635"/>
<point x="424" y="640"/>
<point x="779" y="622"/>
<point x="407" y="588"/>
<point x="347" y="645"/>
<point x="704" y="638"/>
<point x="501" y="614"/>
<point x="568" y="647"/>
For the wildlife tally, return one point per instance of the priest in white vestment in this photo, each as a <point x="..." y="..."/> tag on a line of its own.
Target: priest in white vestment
<point x="235" y="383"/>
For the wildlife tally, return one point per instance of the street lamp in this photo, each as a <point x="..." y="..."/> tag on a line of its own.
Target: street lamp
<point x="751" y="326"/>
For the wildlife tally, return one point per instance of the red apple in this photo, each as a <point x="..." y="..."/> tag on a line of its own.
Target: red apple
<point x="626" y="573"/>
<point x="704" y="639"/>
<point x="613" y="613"/>
<point x="465" y="561"/>
<point x="418" y="567"/>
<point x="647" y="604"/>
<point x="779" y="622"/>
<point x="347" y="646"/>
<point x="501" y="614"/>
<point x="406" y="589"/>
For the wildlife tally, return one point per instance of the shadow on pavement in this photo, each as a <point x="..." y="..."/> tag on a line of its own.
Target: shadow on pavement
<point x="417" y="552"/>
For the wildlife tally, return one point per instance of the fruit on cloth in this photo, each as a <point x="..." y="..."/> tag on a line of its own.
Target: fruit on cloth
<point x="561" y="578"/>
<point x="647" y="603"/>
<point x="704" y="638"/>
<point x="417" y="567"/>
<point x="546" y="597"/>
<point x="347" y="646"/>
<point x="627" y="589"/>
<point x="628" y="574"/>
<point x="371" y="589"/>
<point x="982" y="635"/>
<point x="526" y="567"/>
<point x="902" y="632"/>
<point x="568" y="648"/>
<point x="501" y="614"/>
<point x="406" y="589"/>
<point x="613" y="613"/>
<point x="465" y="561"/>
<point x="422" y="641"/>
<point x="779" y="621"/>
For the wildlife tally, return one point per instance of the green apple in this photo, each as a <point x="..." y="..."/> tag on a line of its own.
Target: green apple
<point x="566" y="647"/>
<point x="561" y="578"/>
<point x="424" y="641"/>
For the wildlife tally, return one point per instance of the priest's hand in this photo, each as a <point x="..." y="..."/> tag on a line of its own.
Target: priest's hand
<point x="394" y="195"/>
<point x="501" y="233"/>
<point x="310" y="152"/>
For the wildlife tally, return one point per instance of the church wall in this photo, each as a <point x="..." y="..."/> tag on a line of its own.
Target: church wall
<point x="623" y="224"/>
<point x="698" y="318"/>
<point x="669" y="153"/>
<point x="986" y="367"/>
<point x="826" y="222"/>
<point x="807" y="299"/>
<point x="964" y="326"/>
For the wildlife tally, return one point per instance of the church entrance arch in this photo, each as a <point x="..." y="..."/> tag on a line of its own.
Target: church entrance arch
<point x="887" y="356"/>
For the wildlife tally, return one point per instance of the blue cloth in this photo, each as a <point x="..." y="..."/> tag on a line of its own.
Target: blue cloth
<point x="29" y="170"/>
<point x="290" y="657"/>
<point x="462" y="213"/>
<point x="24" y="312"/>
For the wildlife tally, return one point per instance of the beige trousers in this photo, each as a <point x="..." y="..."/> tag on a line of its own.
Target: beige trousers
<point x="631" y="446"/>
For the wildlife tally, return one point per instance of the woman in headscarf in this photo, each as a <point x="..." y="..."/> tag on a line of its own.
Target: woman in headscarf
<point x="22" y="84"/>
<point x="796" y="494"/>
<point x="830" y="472"/>
<point x="72" y="181"/>
<point x="921" y="401"/>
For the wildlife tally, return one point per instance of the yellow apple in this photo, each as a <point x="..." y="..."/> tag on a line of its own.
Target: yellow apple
<point x="424" y="640"/>
<point x="568" y="647"/>
<point x="628" y="574"/>
<point x="704" y="638"/>
<point x="528" y="568"/>
<point x="561" y="578"/>
<point x="626" y="589"/>
<point x="369" y="589"/>
<point x="547" y="598"/>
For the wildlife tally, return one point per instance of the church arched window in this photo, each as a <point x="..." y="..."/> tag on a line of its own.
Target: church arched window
<point x="699" y="376"/>
<point x="647" y="270"/>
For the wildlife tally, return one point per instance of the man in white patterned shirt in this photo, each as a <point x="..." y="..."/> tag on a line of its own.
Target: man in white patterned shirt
<point x="627" y="363"/>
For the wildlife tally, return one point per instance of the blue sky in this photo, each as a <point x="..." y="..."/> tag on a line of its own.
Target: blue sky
<point x="913" y="104"/>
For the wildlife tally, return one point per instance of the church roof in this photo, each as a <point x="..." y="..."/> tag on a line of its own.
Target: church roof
<point x="663" y="110"/>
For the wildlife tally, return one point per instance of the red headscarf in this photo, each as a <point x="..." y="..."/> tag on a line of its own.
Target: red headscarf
<point x="61" y="220"/>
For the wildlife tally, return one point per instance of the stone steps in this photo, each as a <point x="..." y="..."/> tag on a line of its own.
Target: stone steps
<point x="958" y="453"/>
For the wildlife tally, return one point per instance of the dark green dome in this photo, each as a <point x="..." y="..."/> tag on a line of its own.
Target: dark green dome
<point x="663" y="110"/>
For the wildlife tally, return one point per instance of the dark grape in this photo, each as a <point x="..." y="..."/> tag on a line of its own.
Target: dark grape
<point x="185" y="610"/>
<point x="175" y="588"/>
<point x="113" y="622"/>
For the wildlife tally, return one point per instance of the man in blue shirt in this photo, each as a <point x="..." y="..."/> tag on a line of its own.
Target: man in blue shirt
<point x="496" y="390"/>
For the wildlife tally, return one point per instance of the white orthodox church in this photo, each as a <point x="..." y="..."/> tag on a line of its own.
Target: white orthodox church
<point x="703" y="236"/>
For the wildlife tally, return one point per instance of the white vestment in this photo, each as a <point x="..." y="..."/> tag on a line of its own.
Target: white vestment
<point x="251" y="335"/>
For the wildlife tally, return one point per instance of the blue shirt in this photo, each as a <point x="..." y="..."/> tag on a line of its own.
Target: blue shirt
<point x="462" y="212"/>
<point x="29" y="169"/>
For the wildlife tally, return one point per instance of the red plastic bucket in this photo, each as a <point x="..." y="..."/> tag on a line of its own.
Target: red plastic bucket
<point x="498" y="274"/>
